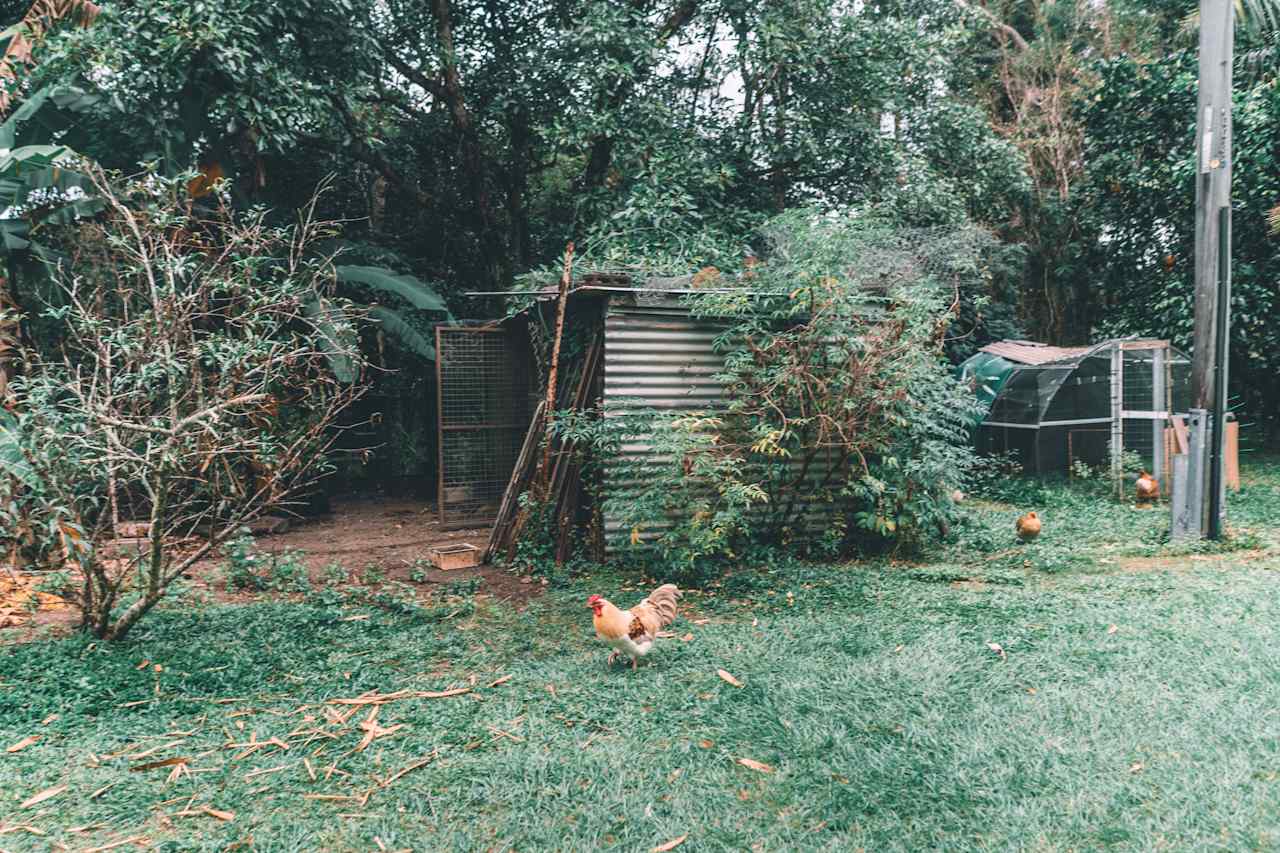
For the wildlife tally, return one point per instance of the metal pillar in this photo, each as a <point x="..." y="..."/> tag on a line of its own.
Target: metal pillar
<point x="1188" y="499"/>
<point x="1117" y="418"/>
<point x="1159" y="403"/>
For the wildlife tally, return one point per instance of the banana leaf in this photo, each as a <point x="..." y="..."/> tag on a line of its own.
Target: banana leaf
<point x="326" y="319"/>
<point x="398" y="327"/>
<point x="413" y="290"/>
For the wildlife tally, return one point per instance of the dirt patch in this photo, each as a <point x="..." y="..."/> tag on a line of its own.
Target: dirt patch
<point x="390" y="535"/>
<point x="374" y="540"/>
<point x="1188" y="561"/>
<point x="972" y="584"/>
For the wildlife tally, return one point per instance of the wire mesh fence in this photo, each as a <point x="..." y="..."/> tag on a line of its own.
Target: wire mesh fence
<point x="484" y="403"/>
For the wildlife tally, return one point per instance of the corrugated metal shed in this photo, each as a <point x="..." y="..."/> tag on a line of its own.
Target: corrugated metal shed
<point x="659" y="356"/>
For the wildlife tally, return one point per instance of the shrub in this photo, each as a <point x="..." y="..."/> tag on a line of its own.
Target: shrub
<point x="184" y="375"/>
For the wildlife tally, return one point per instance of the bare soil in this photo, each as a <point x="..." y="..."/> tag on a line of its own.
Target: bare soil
<point x="373" y="538"/>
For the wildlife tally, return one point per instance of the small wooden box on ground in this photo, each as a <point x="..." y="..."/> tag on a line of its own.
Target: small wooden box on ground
<point x="448" y="557"/>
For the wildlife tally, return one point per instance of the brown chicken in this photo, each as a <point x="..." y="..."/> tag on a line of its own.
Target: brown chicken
<point x="1028" y="527"/>
<point x="633" y="632"/>
<point x="1148" y="488"/>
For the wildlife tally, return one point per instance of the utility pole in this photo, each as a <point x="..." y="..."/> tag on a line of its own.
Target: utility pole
<point x="1213" y="261"/>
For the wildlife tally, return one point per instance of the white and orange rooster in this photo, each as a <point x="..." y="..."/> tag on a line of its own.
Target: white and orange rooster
<point x="633" y="632"/>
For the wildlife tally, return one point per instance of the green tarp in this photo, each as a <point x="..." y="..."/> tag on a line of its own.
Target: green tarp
<point x="986" y="373"/>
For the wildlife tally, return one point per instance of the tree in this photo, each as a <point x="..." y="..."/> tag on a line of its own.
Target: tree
<point x="189" y="384"/>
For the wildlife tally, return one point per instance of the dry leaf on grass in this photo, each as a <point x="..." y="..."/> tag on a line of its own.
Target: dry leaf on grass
<point x="6" y="828"/>
<point x="503" y="680"/>
<point x="24" y="743"/>
<point x="219" y="814"/>
<point x="375" y="698"/>
<point x="102" y="790"/>
<point x="153" y="765"/>
<point x="137" y="839"/>
<point x="670" y="845"/>
<point x="1113" y="629"/>
<point x="755" y="765"/>
<point x="373" y="730"/>
<point x="1136" y="768"/>
<point x="47" y="794"/>
<point x="998" y="649"/>
<point x="728" y="678"/>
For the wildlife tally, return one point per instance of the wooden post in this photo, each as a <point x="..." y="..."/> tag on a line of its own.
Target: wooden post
<point x="1213" y="226"/>
<point x="565" y="278"/>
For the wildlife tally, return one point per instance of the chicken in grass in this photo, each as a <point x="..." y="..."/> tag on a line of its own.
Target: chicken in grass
<point x="1148" y="489"/>
<point x="1028" y="527"/>
<point x="633" y="632"/>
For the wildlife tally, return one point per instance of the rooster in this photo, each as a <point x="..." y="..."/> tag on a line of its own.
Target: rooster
<point x="1028" y="527"/>
<point x="1148" y="488"/>
<point x="633" y="632"/>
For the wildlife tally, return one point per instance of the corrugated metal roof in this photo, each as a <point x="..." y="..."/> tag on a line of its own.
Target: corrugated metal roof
<point x="1030" y="352"/>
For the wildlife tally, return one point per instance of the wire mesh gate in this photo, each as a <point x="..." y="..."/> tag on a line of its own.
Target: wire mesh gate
<point x="483" y="391"/>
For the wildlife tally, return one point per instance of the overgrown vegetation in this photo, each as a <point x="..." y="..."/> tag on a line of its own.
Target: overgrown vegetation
<point x="179" y="377"/>
<point x="840" y="414"/>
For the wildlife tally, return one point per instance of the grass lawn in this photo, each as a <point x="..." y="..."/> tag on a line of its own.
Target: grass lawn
<point x="1132" y="701"/>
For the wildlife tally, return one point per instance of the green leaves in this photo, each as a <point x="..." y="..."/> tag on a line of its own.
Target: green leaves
<point x="13" y="462"/>
<point x="409" y="288"/>
<point x="398" y="327"/>
<point x="337" y="336"/>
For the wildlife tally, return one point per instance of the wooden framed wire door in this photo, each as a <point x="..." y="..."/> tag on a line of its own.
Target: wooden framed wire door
<point x="483" y="395"/>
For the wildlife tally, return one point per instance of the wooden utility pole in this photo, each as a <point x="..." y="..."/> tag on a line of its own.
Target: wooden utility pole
<point x="1213" y="255"/>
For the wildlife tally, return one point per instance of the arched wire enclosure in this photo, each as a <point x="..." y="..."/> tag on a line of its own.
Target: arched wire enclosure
<point x="1054" y="405"/>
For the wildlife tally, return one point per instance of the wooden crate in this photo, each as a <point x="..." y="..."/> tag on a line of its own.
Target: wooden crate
<point x="449" y="557"/>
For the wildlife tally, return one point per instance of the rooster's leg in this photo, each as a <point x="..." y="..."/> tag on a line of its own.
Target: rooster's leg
<point x="634" y="663"/>
<point x="613" y="656"/>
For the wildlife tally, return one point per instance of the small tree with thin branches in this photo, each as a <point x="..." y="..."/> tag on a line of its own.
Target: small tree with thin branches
<point x="185" y="379"/>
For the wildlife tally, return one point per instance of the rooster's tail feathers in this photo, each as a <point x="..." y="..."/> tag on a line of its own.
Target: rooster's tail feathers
<point x="663" y="600"/>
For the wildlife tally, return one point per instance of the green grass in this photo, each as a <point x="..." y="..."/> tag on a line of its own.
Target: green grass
<point x="1134" y="708"/>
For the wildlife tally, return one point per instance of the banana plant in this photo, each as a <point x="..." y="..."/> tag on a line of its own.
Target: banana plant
<point x="420" y="295"/>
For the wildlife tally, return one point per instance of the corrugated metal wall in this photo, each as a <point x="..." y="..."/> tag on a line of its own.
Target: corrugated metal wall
<point x="655" y="357"/>
<point x="661" y="358"/>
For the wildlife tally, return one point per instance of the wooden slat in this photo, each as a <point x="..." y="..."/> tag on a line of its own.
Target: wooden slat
<point x="1180" y="432"/>
<point x="1231" y="460"/>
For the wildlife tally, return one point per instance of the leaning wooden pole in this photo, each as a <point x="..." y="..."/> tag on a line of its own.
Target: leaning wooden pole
<point x="565" y="278"/>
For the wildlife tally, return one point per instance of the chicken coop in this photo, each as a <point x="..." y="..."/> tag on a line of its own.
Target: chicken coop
<point x="1053" y="406"/>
